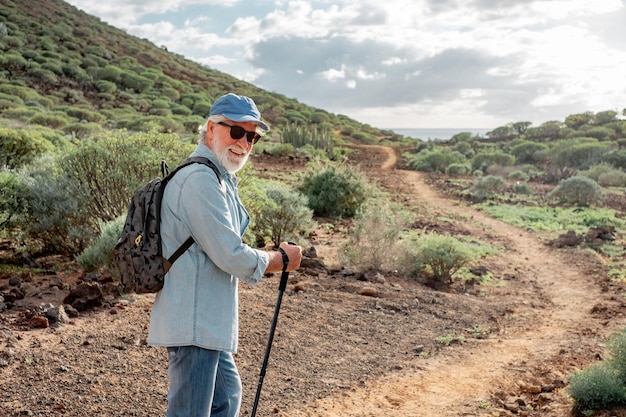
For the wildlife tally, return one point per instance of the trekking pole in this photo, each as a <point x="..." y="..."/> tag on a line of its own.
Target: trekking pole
<point x="281" y="289"/>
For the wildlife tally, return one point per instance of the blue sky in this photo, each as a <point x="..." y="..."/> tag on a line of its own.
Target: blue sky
<point x="402" y="63"/>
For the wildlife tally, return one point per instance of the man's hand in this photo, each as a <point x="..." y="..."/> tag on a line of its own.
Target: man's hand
<point x="294" y="253"/>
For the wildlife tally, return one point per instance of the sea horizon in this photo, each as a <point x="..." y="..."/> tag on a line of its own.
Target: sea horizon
<point x="438" y="133"/>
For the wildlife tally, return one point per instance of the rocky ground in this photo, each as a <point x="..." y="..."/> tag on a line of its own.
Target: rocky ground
<point x="346" y="344"/>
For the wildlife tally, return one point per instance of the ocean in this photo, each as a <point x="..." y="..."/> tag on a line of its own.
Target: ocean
<point x="427" y="134"/>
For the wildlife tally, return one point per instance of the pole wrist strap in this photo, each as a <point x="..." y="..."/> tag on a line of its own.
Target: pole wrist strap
<point x="285" y="258"/>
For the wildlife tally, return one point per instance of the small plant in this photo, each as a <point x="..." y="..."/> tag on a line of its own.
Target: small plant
<point x="287" y="214"/>
<point x="448" y="339"/>
<point x="486" y="187"/>
<point x="578" y="191"/>
<point x="335" y="191"/>
<point x="602" y="385"/>
<point x="99" y="253"/>
<point x="373" y="241"/>
<point x="597" y="387"/>
<point x="443" y="255"/>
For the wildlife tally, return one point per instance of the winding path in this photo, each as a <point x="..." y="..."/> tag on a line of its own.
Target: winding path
<point x="454" y="386"/>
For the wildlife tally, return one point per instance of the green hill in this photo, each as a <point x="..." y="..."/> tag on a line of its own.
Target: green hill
<point x="69" y="71"/>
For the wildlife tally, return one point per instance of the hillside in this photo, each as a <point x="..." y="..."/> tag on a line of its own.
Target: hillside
<point x="64" y="69"/>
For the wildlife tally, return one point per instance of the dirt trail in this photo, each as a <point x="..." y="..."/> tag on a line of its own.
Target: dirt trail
<point x="454" y="386"/>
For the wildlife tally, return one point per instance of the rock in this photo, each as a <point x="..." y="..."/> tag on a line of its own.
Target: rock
<point x="38" y="322"/>
<point x="568" y="239"/>
<point x="56" y="314"/>
<point x="84" y="296"/>
<point x="310" y="252"/>
<point x="71" y="311"/>
<point x="369" y="292"/>
<point x="313" y="266"/>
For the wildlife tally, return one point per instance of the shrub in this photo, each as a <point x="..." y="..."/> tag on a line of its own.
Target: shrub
<point x="287" y="216"/>
<point x="282" y="149"/>
<point x="112" y="166"/>
<point x="615" y="178"/>
<point x="597" y="387"/>
<point x="43" y="76"/>
<point x="334" y="191"/>
<point x="53" y="120"/>
<point x="20" y="147"/>
<point x="104" y="86"/>
<point x="518" y="175"/>
<point x="436" y="160"/>
<point x="100" y="252"/>
<point x="373" y="241"/>
<point x="55" y="218"/>
<point x="442" y="255"/>
<point x="458" y="169"/>
<point x="521" y="188"/>
<point x="84" y="114"/>
<point x="577" y="190"/>
<point x="11" y="195"/>
<point x="81" y="130"/>
<point x="201" y="108"/>
<point x="486" y="187"/>
<point x="528" y="152"/>
<point x="484" y="160"/>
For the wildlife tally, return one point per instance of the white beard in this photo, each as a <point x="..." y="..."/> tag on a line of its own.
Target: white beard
<point x="232" y="157"/>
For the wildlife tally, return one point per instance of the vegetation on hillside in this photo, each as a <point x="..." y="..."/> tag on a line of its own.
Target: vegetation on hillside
<point x="69" y="71"/>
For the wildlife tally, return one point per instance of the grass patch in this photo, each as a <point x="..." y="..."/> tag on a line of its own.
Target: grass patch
<point x="553" y="219"/>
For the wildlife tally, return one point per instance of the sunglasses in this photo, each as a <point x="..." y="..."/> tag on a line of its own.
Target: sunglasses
<point x="238" y="132"/>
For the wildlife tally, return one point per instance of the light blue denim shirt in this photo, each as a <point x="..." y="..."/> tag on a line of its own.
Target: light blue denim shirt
<point x="198" y="304"/>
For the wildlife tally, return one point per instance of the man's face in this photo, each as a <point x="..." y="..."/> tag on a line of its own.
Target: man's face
<point x="231" y="153"/>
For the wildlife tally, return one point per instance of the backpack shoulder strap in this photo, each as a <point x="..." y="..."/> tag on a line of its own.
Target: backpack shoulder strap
<point x="195" y="160"/>
<point x="190" y="240"/>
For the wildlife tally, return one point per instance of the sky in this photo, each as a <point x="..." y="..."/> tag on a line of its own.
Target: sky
<point x="402" y="63"/>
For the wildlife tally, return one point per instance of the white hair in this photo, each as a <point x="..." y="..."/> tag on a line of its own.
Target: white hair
<point x="202" y="128"/>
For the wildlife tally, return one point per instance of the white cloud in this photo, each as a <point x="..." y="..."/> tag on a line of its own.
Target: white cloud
<point x="410" y="62"/>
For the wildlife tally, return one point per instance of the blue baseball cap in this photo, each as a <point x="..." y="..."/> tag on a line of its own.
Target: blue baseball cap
<point x="238" y="109"/>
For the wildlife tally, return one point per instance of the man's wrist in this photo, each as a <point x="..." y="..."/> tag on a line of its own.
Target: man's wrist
<point x="285" y="258"/>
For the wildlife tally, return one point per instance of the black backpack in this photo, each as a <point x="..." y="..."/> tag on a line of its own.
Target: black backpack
<point x="138" y="252"/>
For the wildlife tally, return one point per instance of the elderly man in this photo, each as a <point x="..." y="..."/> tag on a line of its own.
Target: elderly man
<point x="195" y="315"/>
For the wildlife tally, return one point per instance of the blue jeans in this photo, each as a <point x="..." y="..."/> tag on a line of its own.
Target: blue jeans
<point x="203" y="383"/>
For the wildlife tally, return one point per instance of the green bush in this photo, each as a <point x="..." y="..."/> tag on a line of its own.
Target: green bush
<point x="435" y="160"/>
<point x="287" y="217"/>
<point x="521" y="188"/>
<point x="373" y="241"/>
<point x="518" y="175"/>
<point x="442" y="255"/>
<point x="55" y="219"/>
<point x="84" y="114"/>
<point x="615" y="178"/>
<point x="484" y="160"/>
<point x="577" y="190"/>
<point x="100" y="252"/>
<point x="82" y="130"/>
<point x="458" y="169"/>
<point x="486" y="187"/>
<point x="11" y="195"/>
<point x="19" y="147"/>
<point x="602" y="385"/>
<point x="110" y="167"/>
<point x="43" y="75"/>
<point x="597" y="387"/>
<point x="105" y="87"/>
<point x="53" y="120"/>
<point x="528" y="152"/>
<point x="281" y="149"/>
<point x="335" y="191"/>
